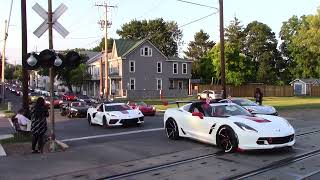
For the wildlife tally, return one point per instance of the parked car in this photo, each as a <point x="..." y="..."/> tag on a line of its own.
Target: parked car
<point x="252" y="107"/>
<point x="69" y="97"/>
<point x="209" y="94"/>
<point x="229" y="126"/>
<point x="57" y="101"/>
<point x="143" y="107"/>
<point x="75" y="109"/>
<point x="33" y="97"/>
<point x="114" y="114"/>
<point x="87" y="99"/>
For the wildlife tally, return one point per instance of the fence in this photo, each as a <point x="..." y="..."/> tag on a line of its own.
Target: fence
<point x="315" y="91"/>
<point x="248" y="90"/>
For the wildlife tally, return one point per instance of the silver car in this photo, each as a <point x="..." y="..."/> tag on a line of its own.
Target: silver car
<point x="252" y="107"/>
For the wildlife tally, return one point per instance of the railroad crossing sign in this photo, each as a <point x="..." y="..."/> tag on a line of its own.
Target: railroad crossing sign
<point x="55" y="24"/>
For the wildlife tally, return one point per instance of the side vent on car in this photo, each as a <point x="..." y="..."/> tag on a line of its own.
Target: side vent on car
<point x="94" y="115"/>
<point x="183" y="131"/>
<point x="212" y="127"/>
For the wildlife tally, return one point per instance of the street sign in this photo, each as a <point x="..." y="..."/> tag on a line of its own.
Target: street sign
<point x="55" y="24"/>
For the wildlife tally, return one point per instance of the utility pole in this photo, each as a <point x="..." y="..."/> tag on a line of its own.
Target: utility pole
<point x="25" y="90"/>
<point x="51" y="74"/>
<point x="106" y="65"/>
<point x="222" y="60"/>
<point x="4" y="59"/>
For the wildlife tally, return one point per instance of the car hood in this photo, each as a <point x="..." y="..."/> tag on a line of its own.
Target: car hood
<point x="125" y="114"/>
<point x="266" y="125"/>
<point x="261" y="109"/>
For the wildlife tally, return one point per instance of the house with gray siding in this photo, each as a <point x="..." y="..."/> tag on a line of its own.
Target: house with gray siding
<point x="137" y="69"/>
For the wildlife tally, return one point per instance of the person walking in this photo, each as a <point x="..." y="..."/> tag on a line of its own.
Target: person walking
<point x="39" y="113"/>
<point x="258" y="96"/>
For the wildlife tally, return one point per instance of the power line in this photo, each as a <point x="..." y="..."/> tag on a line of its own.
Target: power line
<point x="197" y="4"/>
<point x="204" y="17"/>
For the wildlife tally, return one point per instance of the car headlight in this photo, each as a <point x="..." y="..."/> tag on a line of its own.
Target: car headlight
<point x="245" y="127"/>
<point x="60" y="102"/>
<point x="73" y="109"/>
<point x="153" y="108"/>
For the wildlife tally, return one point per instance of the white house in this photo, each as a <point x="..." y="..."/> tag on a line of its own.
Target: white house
<point x="303" y="86"/>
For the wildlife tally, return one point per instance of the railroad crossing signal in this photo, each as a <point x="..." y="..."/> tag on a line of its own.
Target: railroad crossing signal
<point x="55" y="24"/>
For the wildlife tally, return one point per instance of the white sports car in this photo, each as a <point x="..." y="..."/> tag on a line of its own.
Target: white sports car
<point x="114" y="114"/>
<point x="228" y="126"/>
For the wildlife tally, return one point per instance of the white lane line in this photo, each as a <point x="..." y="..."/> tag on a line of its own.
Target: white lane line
<point x="111" y="135"/>
<point x="2" y="151"/>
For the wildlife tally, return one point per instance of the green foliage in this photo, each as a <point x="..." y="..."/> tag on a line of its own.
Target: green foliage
<point x="101" y="46"/>
<point x="9" y="72"/>
<point x="198" y="49"/>
<point x="234" y="34"/>
<point x="17" y="75"/>
<point x="166" y="36"/>
<point x="260" y="45"/>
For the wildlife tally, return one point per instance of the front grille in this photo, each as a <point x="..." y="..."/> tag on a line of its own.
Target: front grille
<point x="275" y="140"/>
<point x="129" y="121"/>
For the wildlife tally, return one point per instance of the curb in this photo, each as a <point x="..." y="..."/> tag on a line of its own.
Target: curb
<point x="63" y="145"/>
<point x="6" y="136"/>
<point x="2" y="151"/>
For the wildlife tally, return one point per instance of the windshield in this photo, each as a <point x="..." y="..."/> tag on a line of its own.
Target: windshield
<point x="244" y="102"/>
<point x="120" y="107"/>
<point x="225" y="111"/>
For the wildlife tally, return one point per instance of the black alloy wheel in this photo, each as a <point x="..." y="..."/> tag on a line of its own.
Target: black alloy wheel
<point x="226" y="139"/>
<point x="172" y="129"/>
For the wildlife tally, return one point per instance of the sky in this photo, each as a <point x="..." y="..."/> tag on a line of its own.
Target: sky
<point x="82" y="16"/>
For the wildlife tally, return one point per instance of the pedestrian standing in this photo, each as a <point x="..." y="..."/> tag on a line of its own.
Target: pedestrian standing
<point x="258" y="96"/>
<point x="39" y="114"/>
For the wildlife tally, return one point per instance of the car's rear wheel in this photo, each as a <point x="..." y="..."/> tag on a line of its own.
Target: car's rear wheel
<point x="227" y="140"/>
<point x="172" y="129"/>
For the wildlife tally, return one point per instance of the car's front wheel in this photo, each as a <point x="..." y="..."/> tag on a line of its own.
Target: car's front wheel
<point x="227" y="140"/>
<point x="89" y="120"/>
<point x="172" y="129"/>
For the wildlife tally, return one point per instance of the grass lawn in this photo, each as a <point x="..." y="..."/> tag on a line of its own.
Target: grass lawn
<point x="4" y="110"/>
<point x="280" y="103"/>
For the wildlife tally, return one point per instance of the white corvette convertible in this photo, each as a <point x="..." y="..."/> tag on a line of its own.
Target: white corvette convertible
<point x="114" y="114"/>
<point x="228" y="126"/>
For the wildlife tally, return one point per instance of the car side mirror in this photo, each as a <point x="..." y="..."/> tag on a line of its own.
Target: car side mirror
<point x="199" y="114"/>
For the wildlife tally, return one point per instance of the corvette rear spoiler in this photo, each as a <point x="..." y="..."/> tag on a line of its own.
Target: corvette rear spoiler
<point x="165" y="103"/>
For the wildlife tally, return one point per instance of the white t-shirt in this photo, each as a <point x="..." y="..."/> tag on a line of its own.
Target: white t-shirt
<point x="22" y="120"/>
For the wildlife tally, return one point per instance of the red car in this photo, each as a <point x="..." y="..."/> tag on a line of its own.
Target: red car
<point x="147" y="110"/>
<point x="69" y="97"/>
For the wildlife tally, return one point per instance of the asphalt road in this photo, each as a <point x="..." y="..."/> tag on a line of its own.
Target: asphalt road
<point x="97" y="152"/>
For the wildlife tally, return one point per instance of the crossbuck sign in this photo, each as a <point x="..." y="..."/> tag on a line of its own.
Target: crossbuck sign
<point x="55" y="16"/>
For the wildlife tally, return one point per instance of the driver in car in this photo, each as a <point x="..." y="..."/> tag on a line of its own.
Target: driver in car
<point x="219" y="111"/>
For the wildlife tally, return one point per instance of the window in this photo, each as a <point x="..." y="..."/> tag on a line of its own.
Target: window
<point x="159" y="84"/>
<point x="184" y="68"/>
<point x="132" y="84"/>
<point x="180" y="85"/>
<point x="132" y="67"/>
<point x="175" y="68"/>
<point x="171" y="84"/>
<point x="146" y="51"/>
<point x="159" y="67"/>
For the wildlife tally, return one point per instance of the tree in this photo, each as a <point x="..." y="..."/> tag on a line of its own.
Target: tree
<point x="8" y="72"/>
<point x="101" y="46"/>
<point x="260" y="45"/>
<point x="234" y="34"/>
<point x="239" y="68"/>
<point x="198" y="49"/>
<point x="166" y="36"/>
<point x="17" y="75"/>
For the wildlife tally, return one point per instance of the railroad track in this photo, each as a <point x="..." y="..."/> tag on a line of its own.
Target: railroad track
<point x="269" y="167"/>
